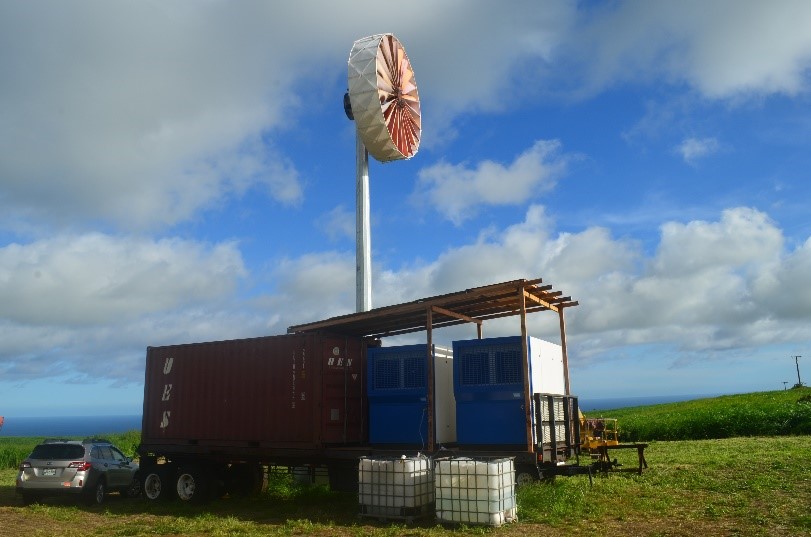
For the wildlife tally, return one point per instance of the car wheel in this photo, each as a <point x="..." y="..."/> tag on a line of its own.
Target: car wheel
<point x="191" y="485"/>
<point x="155" y="487"/>
<point x="97" y="494"/>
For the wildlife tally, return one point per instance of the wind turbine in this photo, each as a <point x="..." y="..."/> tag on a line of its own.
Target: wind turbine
<point x="383" y="101"/>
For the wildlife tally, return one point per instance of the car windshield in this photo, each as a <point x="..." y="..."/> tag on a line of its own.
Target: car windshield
<point x="58" y="451"/>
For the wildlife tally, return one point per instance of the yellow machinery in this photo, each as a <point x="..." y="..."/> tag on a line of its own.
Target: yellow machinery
<point x="597" y="432"/>
<point x="601" y="435"/>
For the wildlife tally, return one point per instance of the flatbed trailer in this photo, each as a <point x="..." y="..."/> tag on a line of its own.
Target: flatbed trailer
<point x="213" y="421"/>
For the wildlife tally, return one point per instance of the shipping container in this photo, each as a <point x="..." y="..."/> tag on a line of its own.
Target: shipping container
<point x="489" y="388"/>
<point x="398" y="395"/>
<point x="302" y="391"/>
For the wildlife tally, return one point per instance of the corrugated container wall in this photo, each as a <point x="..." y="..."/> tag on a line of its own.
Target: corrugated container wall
<point x="288" y="391"/>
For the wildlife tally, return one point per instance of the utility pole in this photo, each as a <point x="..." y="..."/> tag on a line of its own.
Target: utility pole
<point x="785" y="385"/>
<point x="797" y="364"/>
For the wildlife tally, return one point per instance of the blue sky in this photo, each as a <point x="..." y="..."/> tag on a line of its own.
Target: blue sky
<point x="178" y="172"/>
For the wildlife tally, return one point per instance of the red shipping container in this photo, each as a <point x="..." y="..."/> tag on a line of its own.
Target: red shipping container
<point x="296" y="391"/>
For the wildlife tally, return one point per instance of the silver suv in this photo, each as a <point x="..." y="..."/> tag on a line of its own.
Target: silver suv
<point x="89" y="469"/>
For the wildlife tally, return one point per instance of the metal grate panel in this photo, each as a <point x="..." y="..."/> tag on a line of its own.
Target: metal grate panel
<point x="491" y="365"/>
<point x="414" y="373"/>
<point x="387" y="374"/>
<point x="507" y="366"/>
<point x="475" y="368"/>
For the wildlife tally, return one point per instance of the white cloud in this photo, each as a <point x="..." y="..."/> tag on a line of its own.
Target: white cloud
<point x="710" y="286"/>
<point x="457" y="190"/>
<point x="527" y="249"/>
<point x="788" y="280"/>
<point x="723" y="49"/>
<point x="91" y="279"/>
<point x="338" y="223"/>
<point x="114" y="349"/>
<point x="139" y="114"/>
<point x="143" y="114"/>
<point x="741" y="238"/>
<point x="692" y="149"/>
<point x="698" y="291"/>
<point x="314" y="286"/>
<point x="71" y="302"/>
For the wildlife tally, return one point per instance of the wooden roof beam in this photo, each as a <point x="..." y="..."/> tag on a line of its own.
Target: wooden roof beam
<point x="448" y="313"/>
<point x="545" y="303"/>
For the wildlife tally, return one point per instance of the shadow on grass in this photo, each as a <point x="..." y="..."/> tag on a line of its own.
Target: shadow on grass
<point x="309" y="505"/>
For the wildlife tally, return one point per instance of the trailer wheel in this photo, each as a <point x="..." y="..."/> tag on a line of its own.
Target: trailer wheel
<point x="343" y="477"/>
<point x="192" y="484"/>
<point x="524" y="475"/>
<point x="246" y="479"/>
<point x="134" y="488"/>
<point x="547" y="474"/>
<point x="155" y="485"/>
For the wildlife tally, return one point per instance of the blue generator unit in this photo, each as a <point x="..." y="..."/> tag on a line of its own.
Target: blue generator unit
<point x="398" y="395"/>
<point x="489" y="387"/>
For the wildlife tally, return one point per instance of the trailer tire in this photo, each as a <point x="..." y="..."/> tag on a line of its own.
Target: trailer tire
<point x="191" y="485"/>
<point x="525" y="475"/>
<point x="155" y="485"/>
<point x="547" y="474"/>
<point x="133" y="490"/>
<point x="343" y="477"/>
<point x="246" y="479"/>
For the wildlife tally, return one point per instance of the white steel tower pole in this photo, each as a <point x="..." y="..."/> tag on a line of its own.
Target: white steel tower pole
<point x="363" y="249"/>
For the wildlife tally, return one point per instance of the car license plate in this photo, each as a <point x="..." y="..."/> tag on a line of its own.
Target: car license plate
<point x="49" y="471"/>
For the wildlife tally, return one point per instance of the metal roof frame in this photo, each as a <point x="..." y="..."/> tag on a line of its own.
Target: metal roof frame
<point x="473" y="305"/>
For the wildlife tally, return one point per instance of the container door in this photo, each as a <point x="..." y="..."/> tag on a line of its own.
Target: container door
<point x="343" y="390"/>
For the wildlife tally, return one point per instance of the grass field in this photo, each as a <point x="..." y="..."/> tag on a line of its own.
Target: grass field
<point x="751" y="485"/>
<point x="783" y="412"/>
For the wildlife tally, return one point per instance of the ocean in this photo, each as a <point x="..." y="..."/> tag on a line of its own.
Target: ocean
<point x="101" y="425"/>
<point x="60" y="426"/>
<point x="610" y="403"/>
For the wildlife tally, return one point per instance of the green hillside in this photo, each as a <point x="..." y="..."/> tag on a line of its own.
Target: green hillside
<point x="778" y="413"/>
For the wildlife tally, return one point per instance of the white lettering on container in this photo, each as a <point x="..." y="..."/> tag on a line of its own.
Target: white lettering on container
<point x="168" y="363"/>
